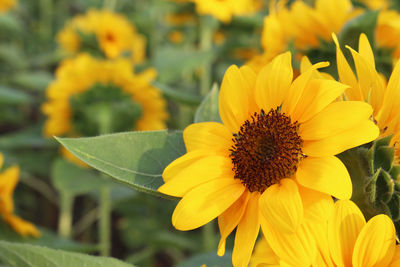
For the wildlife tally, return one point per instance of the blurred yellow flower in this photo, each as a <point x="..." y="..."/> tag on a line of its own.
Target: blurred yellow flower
<point x="114" y="35"/>
<point x="224" y="10"/>
<point x="376" y="4"/>
<point x="8" y="182"/>
<point x="276" y="145"/>
<point x="6" y="5"/>
<point x="86" y="86"/>
<point x="387" y="31"/>
<point x="370" y="86"/>
<point x="342" y="237"/>
<point x="176" y="37"/>
<point x="179" y="19"/>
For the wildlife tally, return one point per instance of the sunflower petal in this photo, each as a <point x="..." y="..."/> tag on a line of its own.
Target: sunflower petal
<point x="296" y="249"/>
<point x="316" y="96"/>
<point x="196" y="173"/>
<point x="362" y="133"/>
<point x="205" y="202"/>
<point x="236" y="96"/>
<point x="211" y="136"/>
<point x="333" y="119"/>
<point x="281" y="205"/>
<point x="344" y="227"/>
<point x="182" y="162"/>
<point x="365" y="50"/>
<point x="273" y="82"/>
<point x="327" y="175"/>
<point x="376" y="243"/>
<point x="247" y="233"/>
<point x="230" y="218"/>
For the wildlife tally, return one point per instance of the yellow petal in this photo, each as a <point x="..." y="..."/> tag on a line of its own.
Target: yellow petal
<point x="182" y="162"/>
<point x="317" y="206"/>
<point x="396" y="258"/>
<point x="263" y="254"/>
<point x="344" y="227"/>
<point x="1" y="160"/>
<point x="230" y="218"/>
<point x="371" y="85"/>
<point x="236" y="96"/>
<point x="365" y="50"/>
<point x="335" y="118"/>
<point x="363" y="133"/>
<point x="296" y="249"/>
<point x="210" y="136"/>
<point x="392" y="96"/>
<point x="247" y="233"/>
<point x="281" y="206"/>
<point x="316" y="96"/>
<point x="346" y="74"/>
<point x="273" y="82"/>
<point x="327" y="175"/>
<point x="205" y="202"/>
<point x="196" y="173"/>
<point x="21" y="226"/>
<point x="376" y="243"/>
<point x="298" y="86"/>
<point x="8" y="182"/>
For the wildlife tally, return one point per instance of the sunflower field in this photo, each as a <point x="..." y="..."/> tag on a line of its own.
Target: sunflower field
<point x="204" y="133"/>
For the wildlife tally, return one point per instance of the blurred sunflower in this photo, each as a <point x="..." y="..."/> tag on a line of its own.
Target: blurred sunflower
<point x="343" y="239"/>
<point x="92" y="96"/>
<point x="105" y="31"/>
<point x="224" y="10"/>
<point x="277" y="140"/>
<point x="6" y="5"/>
<point x="8" y="182"/>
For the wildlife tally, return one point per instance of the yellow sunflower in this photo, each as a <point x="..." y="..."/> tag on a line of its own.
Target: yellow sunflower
<point x="8" y="182"/>
<point x="305" y="25"/>
<point x="343" y="238"/>
<point x="86" y="86"/>
<point x="6" y="5"/>
<point x="114" y="35"/>
<point x="278" y="138"/>
<point x="368" y="85"/>
<point x="224" y="10"/>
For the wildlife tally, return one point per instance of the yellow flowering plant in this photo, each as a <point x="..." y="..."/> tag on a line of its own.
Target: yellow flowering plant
<point x="102" y="31"/>
<point x="8" y="182"/>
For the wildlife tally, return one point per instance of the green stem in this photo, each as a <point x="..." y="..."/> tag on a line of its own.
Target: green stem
<point x="46" y="11"/>
<point x="109" y="4"/>
<point x="208" y="25"/>
<point x="65" y="218"/>
<point x="104" y="121"/>
<point x="209" y="237"/>
<point x="105" y="221"/>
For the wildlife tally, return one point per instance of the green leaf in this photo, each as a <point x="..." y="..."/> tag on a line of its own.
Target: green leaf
<point x="75" y="180"/>
<point x="364" y="23"/>
<point x="35" y="80"/>
<point x="27" y="138"/>
<point x="11" y="58"/>
<point x="208" y="109"/>
<point x="14" y="96"/>
<point x="47" y="238"/>
<point x="21" y="255"/>
<point x="172" y="62"/>
<point x="209" y="259"/>
<point x="179" y="96"/>
<point x="134" y="158"/>
<point x="10" y="23"/>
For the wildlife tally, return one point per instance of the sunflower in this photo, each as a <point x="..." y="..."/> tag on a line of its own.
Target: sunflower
<point x="305" y="25"/>
<point x="109" y="32"/>
<point x="224" y="10"/>
<point x="8" y="182"/>
<point x="88" y="90"/>
<point x="6" y="5"/>
<point x="277" y="140"/>
<point x="343" y="238"/>
<point x="368" y="85"/>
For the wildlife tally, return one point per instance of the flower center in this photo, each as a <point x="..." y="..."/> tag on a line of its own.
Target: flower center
<point x="266" y="149"/>
<point x="104" y="108"/>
